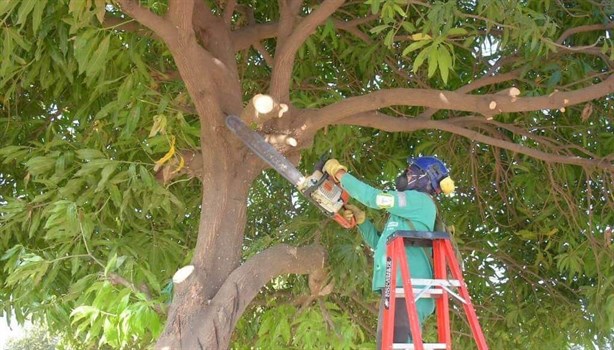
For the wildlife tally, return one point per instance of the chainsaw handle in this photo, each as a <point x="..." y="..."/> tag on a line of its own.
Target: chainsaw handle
<point x="320" y="163"/>
<point x="343" y="222"/>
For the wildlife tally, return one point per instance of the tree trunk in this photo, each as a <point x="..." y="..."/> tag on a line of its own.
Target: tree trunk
<point x="207" y="305"/>
<point x="217" y="254"/>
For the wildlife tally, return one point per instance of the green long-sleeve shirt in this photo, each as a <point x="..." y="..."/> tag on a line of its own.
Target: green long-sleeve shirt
<point x="413" y="205"/>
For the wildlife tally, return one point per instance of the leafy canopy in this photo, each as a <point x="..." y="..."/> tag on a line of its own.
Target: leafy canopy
<point x="98" y="206"/>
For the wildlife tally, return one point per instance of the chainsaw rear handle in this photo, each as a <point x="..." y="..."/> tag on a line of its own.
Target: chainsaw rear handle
<point x="343" y="222"/>
<point x="320" y="163"/>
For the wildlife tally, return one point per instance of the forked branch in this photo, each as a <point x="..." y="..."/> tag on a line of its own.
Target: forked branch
<point x="162" y="27"/>
<point x="284" y="57"/>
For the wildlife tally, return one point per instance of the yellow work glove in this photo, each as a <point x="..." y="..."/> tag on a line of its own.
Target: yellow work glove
<point x="352" y="211"/>
<point x="332" y="166"/>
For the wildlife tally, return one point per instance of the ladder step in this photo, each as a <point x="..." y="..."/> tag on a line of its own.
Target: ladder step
<point x="430" y="293"/>
<point x="425" y="287"/>
<point x="434" y="282"/>
<point x="427" y="346"/>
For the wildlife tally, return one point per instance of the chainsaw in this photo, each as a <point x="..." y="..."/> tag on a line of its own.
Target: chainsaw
<point x="319" y="188"/>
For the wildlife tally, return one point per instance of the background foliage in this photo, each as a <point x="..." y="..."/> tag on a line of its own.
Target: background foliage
<point x="90" y="234"/>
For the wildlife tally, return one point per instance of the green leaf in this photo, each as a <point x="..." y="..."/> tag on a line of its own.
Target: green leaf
<point x="7" y="6"/>
<point x="433" y="62"/>
<point x="526" y="235"/>
<point x="375" y="6"/>
<point x="420" y="58"/>
<point x="14" y="35"/>
<point x="379" y="28"/>
<point x="408" y="26"/>
<point x="89" y="154"/>
<point x="105" y="174"/>
<point x="457" y="31"/>
<point x="83" y="47"/>
<point x="40" y="165"/>
<point x="99" y="57"/>
<point x="151" y="279"/>
<point x="444" y="61"/>
<point x="415" y="46"/>
<point x="389" y="39"/>
<point x="116" y="196"/>
<point x="110" y="264"/>
<point x="84" y="311"/>
<point x="37" y="14"/>
<point x="34" y="225"/>
<point x="26" y="7"/>
<point x="15" y="250"/>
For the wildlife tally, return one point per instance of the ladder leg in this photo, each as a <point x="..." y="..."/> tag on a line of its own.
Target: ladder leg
<point x="442" y="304"/>
<point x="468" y="305"/>
<point x="410" y="302"/>
<point x="389" y="294"/>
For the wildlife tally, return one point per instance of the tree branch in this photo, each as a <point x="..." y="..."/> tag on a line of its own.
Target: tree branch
<point x="245" y="282"/>
<point x="127" y="25"/>
<point x="392" y="124"/>
<point x="580" y="29"/>
<point x="476" y="84"/>
<point x="487" y="105"/>
<point x="284" y="56"/>
<point x="245" y="37"/>
<point x="229" y="11"/>
<point x="155" y="23"/>
<point x="288" y="12"/>
<point x="180" y="13"/>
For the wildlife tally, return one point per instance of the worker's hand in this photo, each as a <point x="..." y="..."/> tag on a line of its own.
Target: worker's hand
<point x="332" y="166"/>
<point x="352" y="211"/>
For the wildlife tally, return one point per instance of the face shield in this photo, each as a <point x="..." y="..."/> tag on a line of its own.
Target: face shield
<point x="413" y="179"/>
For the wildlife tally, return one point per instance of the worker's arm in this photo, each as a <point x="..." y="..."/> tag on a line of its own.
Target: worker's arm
<point x="395" y="202"/>
<point x="408" y="204"/>
<point x="366" y="227"/>
<point x="369" y="233"/>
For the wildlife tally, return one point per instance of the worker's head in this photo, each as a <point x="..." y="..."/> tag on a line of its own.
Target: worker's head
<point x="425" y="174"/>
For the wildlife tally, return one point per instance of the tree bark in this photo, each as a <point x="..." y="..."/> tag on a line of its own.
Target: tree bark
<point x="208" y="324"/>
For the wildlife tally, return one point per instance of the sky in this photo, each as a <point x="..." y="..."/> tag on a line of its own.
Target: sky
<point x="7" y="333"/>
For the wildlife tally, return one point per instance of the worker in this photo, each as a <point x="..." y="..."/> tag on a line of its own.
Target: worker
<point x="411" y="207"/>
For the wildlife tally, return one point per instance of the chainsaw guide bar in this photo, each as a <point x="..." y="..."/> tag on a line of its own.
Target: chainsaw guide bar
<point x="318" y="187"/>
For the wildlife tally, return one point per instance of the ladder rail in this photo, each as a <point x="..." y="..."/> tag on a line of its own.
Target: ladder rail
<point x="442" y="305"/>
<point x="464" y="292"/>
<point x="439" y="288"/>
<point x="410" y="301"/>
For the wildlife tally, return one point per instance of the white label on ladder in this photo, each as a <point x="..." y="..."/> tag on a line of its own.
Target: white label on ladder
<point x="387" y="291"/>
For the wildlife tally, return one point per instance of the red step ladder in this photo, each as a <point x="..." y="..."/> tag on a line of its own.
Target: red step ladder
<point x="440" y="288"/>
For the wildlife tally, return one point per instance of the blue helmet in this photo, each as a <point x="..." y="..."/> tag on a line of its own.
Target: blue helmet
<point x="427" y="174"/>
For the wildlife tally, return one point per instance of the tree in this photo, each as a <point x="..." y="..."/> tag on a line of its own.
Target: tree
<point x="117" y="167"/>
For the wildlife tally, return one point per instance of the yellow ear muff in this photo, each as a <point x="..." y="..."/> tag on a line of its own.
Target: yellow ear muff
<point x="447" y="185"/>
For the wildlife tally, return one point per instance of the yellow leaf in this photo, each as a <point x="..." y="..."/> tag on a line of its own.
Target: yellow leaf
<point x="181" y="164"/>
<point x="551" y="232"/>
<point x="167" y="156"/>
<point x="420" y="37"/>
